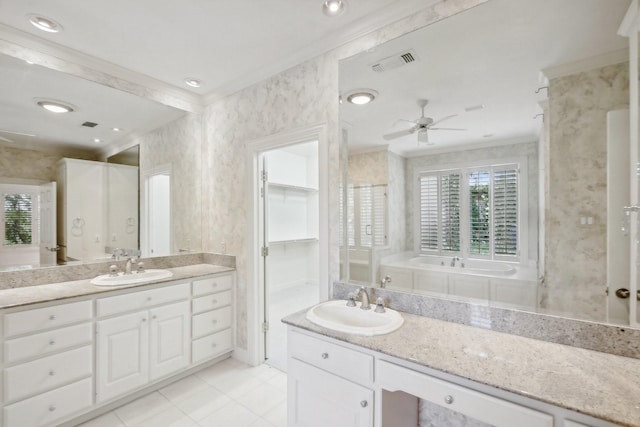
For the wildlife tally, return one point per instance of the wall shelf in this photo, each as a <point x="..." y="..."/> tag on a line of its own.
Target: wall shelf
<point x="276" y="185"/>
<point x="286" y="242"/>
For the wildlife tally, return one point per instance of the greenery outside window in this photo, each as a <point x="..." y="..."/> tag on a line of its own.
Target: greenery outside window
<point x="18" y="219"/>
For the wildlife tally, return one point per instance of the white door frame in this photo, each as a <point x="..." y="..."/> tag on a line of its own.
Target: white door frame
<point x="144" y="206"/>
<point x="255" y="349"/>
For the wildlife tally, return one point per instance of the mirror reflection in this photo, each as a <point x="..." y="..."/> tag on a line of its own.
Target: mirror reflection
<point x="499" y="158"/>
<point x="49" y="159"/>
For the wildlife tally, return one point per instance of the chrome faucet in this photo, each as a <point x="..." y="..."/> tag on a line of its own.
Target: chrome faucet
<point x="364" y="298"/>
<point x="127" y="266"/>
<point x="453" y="261"/>
<point x="384" y="281"/>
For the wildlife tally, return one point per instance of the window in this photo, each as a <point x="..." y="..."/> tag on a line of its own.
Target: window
<point x="18" y="219"/>
<point x="470" y="211"/>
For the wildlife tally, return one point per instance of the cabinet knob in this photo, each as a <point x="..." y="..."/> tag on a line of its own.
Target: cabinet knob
<point x="448" y="399"/>
<point x="52" y="373"/>
<point x="214" y="345"/>
<point x="215" y="301"/>
<point x="52" y="408"/>
<point x="325" y="355"/>
<point x="52" y="342"/>
<point x="144" y="319"/>
<point x="52" y="317"/>
<point x="215" y="284"/>
<point x="214" y="321"/>
<point x="148" y="298"/>
<point x="364" y="403"/>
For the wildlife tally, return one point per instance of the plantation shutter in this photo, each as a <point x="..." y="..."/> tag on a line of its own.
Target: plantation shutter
<point x="366" y="215"/>
<point x="351" y="209"/>
<point x="450" y="212"/>
<point x="505" y="210"/>
<point x="428" y="213"/>
<point x="479" y="213"/>
<point x="379" y="223"/>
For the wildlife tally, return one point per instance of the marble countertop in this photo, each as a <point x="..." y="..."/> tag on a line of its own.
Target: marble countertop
<point x="598" y="384"/>
<point x="17" y="297"/>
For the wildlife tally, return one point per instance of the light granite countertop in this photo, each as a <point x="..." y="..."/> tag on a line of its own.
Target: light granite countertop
<point x="17" y="297"/>
<point x="598" y="384"/>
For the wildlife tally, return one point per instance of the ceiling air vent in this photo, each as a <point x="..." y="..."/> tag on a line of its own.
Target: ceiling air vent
<point x="89" y="124"/>
<point x="394" y="61"/>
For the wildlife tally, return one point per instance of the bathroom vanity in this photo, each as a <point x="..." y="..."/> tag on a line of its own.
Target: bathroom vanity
<point x="430" y="372"/>
<point x="72" y="348"/>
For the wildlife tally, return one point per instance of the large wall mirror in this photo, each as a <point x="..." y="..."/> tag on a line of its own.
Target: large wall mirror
<point x="95" y="156"/>
<point x="491" y="163"/>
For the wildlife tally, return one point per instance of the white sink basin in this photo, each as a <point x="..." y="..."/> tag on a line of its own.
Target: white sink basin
<point x="130" y="279"/>
<point x="336" y="315"/>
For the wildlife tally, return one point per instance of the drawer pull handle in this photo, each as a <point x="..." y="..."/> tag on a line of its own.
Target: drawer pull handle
<point x="52" y="373"/>
<point x="52" y="342"/>
<point x="364" y="403"/>
<point x="448" y="399"/>
<point x="52" y="317"/>
<point x="52" y="408"/>
<point x="154" y="317"/>
<point x="325" y="355"/>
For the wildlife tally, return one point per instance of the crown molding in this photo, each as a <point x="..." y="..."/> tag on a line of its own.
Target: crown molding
<point x="599" y="61"/>
<point x="25" y="46"/>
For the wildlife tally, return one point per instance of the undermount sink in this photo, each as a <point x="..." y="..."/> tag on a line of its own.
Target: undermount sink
<point x="129" y="279"/>
<point x="336" y="315"/>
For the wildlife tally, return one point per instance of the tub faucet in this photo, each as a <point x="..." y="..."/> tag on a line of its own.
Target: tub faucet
<point x="384" y="281"/>
<point x="453" y="261"/>
<point x="364" y="298"/>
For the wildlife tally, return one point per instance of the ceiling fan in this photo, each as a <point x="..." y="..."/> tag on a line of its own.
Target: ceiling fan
<point x="421" y="125"/>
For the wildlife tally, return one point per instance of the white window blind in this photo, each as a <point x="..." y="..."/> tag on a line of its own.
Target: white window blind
<point x="482" y="209"/>
<point x="505" y="211"/>
<point x="365" y="198"/>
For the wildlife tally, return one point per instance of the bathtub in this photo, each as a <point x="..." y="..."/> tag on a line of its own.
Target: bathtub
<point x="502" y="283"/>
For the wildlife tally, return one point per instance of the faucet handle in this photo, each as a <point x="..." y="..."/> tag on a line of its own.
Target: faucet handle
<point x="351" y="299"/>
<point x="113" y="270"/>
<point x="379" y="305"/>
<point x="140" y="267"/>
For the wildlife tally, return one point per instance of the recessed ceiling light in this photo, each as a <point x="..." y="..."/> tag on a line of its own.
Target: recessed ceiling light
<point x="334" y="7"/>
<point x="190" y="81"/>
<point x="29" y="62"/>
<point x="55" y="106"/>
<point x="115" y="129"/>
<point x="361" y="96"/>
<point x="44" y="24"/>
<point x="97" y="140"/>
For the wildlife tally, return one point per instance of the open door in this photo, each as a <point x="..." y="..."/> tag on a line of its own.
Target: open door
<point x="47" y="219"/>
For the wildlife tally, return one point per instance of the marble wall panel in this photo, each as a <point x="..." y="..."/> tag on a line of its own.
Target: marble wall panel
<point x="19" y="164"/>
<point x="368" y="168"/>
<point x="575" y="261"/>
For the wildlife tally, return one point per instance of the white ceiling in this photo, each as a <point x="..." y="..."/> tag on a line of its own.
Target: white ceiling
<point x="491" y="55"/>
<point x="226" y="44"/>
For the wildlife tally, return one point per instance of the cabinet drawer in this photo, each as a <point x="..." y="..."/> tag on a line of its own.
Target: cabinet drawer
<point x="46" y="408"/>
<point x="47" y="342"/>
<point x="213" y="345"/>
<point x="48" y="317"/>
<point x="47" y="373"/>
<point x="460" y="399"/>
<point x="212" y="284"/>
<point x="211" y="321"/>
<point x="342" y="361"/>
<point x="211" y="302"/>
<point x="142" y="299"/>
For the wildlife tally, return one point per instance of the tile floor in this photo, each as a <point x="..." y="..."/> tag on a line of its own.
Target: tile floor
<point x="228" y="394"/>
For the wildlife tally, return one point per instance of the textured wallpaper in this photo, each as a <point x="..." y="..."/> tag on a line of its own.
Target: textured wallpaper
<point x="575" y="263"/>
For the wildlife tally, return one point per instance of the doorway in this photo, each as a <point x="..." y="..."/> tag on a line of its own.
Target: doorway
<point x="288" y="236"/>
<point x="156" y="213"/>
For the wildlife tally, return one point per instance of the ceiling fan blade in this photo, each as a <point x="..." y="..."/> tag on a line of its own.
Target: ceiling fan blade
<point x="443" y="119"/>
<point x="430" y="128"/>
<point x="16" y="133"/>
<point x="399" y="134"/>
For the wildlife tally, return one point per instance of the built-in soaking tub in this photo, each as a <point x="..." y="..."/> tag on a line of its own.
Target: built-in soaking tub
<point x="493" y="281"/>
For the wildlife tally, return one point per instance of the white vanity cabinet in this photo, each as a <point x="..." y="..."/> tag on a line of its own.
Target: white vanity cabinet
<point x="343" y="385"/>
<point x="136" y="347"/>
<point x="328" y="385"/>
<point x="48" y="363"/>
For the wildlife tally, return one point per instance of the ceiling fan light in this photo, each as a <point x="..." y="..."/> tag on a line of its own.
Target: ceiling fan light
<point x="190" y="81"/>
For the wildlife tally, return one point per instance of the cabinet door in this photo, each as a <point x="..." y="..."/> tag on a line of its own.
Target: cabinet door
<point x="123" y="354"/>
<point x="320" y="399"/>
<point x="170" y="338"/>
